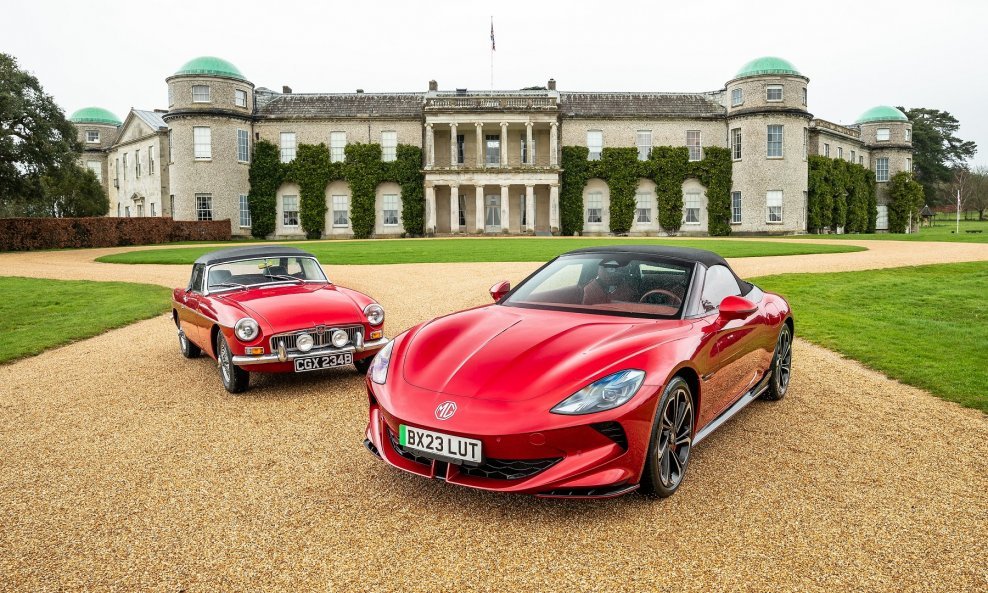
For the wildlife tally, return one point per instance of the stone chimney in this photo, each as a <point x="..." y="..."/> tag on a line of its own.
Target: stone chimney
<point x="360" y="91"/>
<point x="287" y="90"/>
<point x="552" y="84"/>
<point x="433" y="85"/>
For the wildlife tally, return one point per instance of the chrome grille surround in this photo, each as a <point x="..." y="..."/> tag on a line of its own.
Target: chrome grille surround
<point x="321" y="336"/>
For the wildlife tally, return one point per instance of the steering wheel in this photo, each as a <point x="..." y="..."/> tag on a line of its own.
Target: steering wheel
<point x="670" y="298"/>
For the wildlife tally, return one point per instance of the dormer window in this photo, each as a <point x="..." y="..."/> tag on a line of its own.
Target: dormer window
<point x="773" y="92"/>
<point x="240" y="98"/>
<point x="92" y="136"/>
<point x="737" y="97"/>
<point x="882" y="135"/>
<point x="200" y="93"/>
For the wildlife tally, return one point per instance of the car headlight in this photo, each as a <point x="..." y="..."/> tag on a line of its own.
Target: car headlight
<point x="246" y="329"/>
<point x="379" y="366"/>
<point x="374" y="313"/>
<point x="603" y="394"/>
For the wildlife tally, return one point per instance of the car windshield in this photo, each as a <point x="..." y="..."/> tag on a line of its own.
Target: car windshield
<point x="628" y="284"/>
<point x="264" y="270"/>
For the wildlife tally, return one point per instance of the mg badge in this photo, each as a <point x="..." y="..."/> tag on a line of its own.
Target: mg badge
<point x="445" y="411"/>
<point x="320" y="329"/>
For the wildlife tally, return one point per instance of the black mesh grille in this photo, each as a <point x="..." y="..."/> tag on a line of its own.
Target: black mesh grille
<point x="613" y="431"/>
<point x="509" y="469"/>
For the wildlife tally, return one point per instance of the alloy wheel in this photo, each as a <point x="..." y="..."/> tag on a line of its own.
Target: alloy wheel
<point x="675" y="438"/>
<point x="783" y="360"/>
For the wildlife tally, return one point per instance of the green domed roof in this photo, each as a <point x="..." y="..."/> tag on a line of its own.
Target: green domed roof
<point x="767" y="65"/>
<point x="210" y="66"/>
<point x="95" y="115"/>
<point x="882" y="113"/>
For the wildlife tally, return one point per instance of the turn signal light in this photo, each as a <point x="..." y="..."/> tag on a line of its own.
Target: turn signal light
<point x="254" y="350"/>
<point x="376" y="335"/>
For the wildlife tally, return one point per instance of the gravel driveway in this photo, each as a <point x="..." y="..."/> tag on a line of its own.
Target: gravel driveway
<point x="124" y="467"/>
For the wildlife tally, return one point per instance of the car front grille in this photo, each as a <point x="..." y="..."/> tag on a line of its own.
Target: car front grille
<point x="613" y="431"/>
<point x="495" y="469"/>
<point x="320" y="335"/>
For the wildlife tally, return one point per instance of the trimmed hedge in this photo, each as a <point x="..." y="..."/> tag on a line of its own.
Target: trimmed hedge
<point x="25" y="234"/>
<point x="841" y="195"/>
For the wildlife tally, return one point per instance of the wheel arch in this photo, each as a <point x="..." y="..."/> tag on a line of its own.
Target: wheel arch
<point x="213" y="332"/>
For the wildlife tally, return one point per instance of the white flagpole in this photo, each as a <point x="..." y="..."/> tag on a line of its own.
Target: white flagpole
<point x="958" y="231"/>
<point x="492" y="52"/>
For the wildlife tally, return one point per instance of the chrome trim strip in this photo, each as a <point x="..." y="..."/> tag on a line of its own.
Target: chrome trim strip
<point x="270" y="358"/>
<point x="739" y="405"/>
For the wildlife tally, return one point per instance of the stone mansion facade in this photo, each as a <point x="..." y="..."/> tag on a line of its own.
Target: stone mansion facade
<point x="491" y="159"/>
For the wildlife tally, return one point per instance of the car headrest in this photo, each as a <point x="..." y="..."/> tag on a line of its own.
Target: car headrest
<point x="219" y="277"/>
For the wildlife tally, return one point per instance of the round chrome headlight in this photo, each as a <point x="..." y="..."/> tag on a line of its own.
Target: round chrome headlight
<point x="304" y="342"/>
<point x="374" y="313"/>
<point x="246" y="329"/>
<point x="340" y="338"/>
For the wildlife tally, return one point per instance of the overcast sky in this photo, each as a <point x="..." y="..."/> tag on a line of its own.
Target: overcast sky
<point x="116" y="54"/>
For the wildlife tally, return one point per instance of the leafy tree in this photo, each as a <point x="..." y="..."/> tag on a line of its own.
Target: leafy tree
<point x="905" y="198"/>
<point x="72" y="191"/>
<point x="936" y="148"/>
<point x="35" y="136"/>
<point x="978" y="194"/>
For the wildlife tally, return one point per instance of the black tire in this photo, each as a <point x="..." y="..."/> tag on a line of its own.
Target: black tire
<point x="672" y="441"/>
<point x="363" y="365"/>
<point x="185" y="345"/>
<point x="781" y="366"/>
<point x="234" y="378"/>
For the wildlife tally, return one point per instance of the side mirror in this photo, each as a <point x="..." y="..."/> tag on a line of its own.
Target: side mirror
<point x="500" y="289"/>
<point x="735" y="307"/>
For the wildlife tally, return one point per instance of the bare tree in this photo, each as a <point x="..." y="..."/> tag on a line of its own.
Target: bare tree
<point x="961" y="180"/>
<point x="977" y="192"/>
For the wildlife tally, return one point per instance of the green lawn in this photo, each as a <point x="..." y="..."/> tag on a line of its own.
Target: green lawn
<point x="478" y="250"/>
<point x="926" y="326"/>
<point x="40" y="314"/>
<point x="943" y="231"/>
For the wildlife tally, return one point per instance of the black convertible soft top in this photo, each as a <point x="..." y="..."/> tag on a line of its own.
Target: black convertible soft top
<point x="707" y="258"/>
<point x="238" y="253"/>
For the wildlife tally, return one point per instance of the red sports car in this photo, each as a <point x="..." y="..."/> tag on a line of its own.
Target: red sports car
<point x="271" y="309"/>
<point x="594" y="377"/>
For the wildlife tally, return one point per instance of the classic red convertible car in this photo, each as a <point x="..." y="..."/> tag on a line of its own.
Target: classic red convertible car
<point x="271" y="309"/>
<point x="596" y="376"/>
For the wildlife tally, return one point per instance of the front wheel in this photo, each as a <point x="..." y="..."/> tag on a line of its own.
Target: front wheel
<point x="189" y="350"/>
<point x="671" y="442"/>
<point x="235" y="379"/>
<point x="781" y="366"/>
<point x="363" y="365"/>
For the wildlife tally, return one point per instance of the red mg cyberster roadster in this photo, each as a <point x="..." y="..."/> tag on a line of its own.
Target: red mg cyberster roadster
<point x="272" y="309"/>
<point x="594" y="377"/>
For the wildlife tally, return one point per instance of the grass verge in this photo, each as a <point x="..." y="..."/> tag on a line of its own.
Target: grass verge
<point x="943" y="231"/>
<point x="926" y="326"/>
<point x="413" y="251"/>
<point x="40" y="314"/>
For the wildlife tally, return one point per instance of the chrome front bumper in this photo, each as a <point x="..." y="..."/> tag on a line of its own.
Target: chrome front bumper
<point x="288" y="356"/>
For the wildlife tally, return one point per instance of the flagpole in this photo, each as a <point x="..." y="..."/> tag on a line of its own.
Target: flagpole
<point x="492" y="52"/>
<point x="958" y="231"/>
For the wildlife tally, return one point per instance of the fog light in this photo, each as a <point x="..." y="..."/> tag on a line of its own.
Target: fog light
<point x="376" y="335"/>
<point x="340" y="338"/>
<point x="254" y="350"/>
<point x="304" y="342"/>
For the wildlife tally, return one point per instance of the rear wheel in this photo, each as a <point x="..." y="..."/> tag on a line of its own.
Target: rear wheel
<point x="235" y="379"/>
<point x="781" y="366"/>
<point x="189" y="350"/>
<point x="671" y="443"/>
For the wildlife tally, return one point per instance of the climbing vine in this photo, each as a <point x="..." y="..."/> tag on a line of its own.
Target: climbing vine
<point x="840" y="194"/>
<point x="363" y="170"/>
<point x="668" y="167"/>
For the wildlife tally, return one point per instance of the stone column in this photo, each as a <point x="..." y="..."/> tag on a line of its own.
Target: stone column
<point x="504" y="145"/>
<point x="480" y="144"/>
<point x="505" y="204"/>
<point x="530" y="204"/>
<point x="554" y="145"/>
<point x="430" y="208"/>
<point x="530" y="161"/>
<point x="554" y="207"/>
<point x="454" y="206"/>
<point x="452" y="146"/>
<point x="479" y="214"/>
<point x="430" y="147"/>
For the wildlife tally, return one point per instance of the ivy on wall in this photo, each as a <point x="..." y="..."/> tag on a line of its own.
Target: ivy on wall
<point x="668" y="167"/>
<point x="905" y="199"/>
<point x="841" y="194"/>
<point x="363" y="170"/>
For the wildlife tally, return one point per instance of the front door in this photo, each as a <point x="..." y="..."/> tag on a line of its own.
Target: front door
<point x="492" y="217"/>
